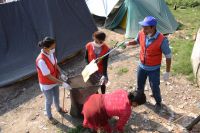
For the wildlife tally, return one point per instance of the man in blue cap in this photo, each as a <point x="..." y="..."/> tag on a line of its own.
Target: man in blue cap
<point x="152" y="45"/>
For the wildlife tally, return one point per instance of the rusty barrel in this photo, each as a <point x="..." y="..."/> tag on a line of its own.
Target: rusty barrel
<point x="81" y="91"/>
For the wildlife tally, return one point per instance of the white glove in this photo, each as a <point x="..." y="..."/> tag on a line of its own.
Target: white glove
<point x="166" y="76"/>
<point x="66" y="86"/>
<point x="64" y="77"/>
<point x="103" y="80"/>
<point x="126" y="43"/>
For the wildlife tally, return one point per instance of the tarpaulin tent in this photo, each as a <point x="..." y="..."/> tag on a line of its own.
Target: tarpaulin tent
<point x="23" y="23"/>
<point x="101" y="7"/>
<point x="137" y="10"/>
<point x="130" y="12"/>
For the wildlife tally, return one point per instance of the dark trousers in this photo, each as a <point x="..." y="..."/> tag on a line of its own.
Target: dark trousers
<point x="103" y="89"/>
<point x="154" y="81"/>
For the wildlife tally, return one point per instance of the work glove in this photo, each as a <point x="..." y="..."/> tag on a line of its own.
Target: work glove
<point x="123" y="45"/>
<point x="126" y="43"/>
<point x="166" y="76"/>
<point x="66" y="86"/>
<point x="104" y="80"/>
<point x="63" y="77"/>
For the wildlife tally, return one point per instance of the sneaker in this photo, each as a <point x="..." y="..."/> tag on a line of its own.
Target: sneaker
<point x="52" y="121"/>
<point x="62" y="111"/>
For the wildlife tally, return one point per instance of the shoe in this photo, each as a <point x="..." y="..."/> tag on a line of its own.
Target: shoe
<point x="62" y="111"/>
<point x="52" y="121"/>
<point x="158" y="107"/>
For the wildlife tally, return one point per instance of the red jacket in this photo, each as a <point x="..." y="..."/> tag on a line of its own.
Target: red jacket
<point x="52" y="68"/>
<point x="151" y="55"/>
<point x="91" y="55"/>
<point x="99" y="108"/>
<point x="118" y="104"/>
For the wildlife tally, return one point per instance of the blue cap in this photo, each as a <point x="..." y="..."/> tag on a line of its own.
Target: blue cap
<point x="148" y="21"/>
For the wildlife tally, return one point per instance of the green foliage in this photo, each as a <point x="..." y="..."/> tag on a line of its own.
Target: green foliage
<point x="182" y="50"/>
<point x="186" y="3"/>
<point x="122" y="71"/>
<point x="183" y="40"/>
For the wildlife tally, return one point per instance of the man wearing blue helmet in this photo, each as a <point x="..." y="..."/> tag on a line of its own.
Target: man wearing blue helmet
<point x="152" y="45"/>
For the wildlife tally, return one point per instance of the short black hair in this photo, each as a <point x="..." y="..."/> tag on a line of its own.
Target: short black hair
<point x="138" y="97"/>
<point x="101" y="36"/>
<point x="46" y="42"/>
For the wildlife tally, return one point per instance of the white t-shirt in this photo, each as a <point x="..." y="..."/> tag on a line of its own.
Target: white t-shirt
<point x="45" y="70"/>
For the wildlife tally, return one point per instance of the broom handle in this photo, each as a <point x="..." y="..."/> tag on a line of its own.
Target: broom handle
<point x="63" y="105"/>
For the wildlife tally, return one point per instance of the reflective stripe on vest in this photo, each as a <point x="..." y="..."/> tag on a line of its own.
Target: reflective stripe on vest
<point x="92" y="55"/>
<point x="52" y="68"/>
<point x="151" y="55"/>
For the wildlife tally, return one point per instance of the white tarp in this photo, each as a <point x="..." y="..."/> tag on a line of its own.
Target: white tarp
<point x="195" y="58"/>
<point x="101" y="7"/>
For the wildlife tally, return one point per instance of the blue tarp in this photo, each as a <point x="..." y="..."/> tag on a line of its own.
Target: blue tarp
<point x="25" y="22"/>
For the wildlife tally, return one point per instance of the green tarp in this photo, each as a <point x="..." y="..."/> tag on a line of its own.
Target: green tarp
<point x="137" y="10"/>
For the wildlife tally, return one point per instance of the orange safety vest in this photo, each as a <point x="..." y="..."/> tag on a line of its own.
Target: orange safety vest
<point x="92" y="55"/>
<point x="52" y="68"/>
<point x="151" y="55"/>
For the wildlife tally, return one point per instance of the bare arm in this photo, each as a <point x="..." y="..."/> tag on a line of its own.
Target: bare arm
<point x="52" y="78"/>
<point x="168" y="64"/>
<point x="86" y="57"/>
<point x="132" y="42"/>
<point x="59" y="69"/>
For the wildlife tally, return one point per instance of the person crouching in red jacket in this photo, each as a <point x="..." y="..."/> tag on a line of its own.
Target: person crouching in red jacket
<point x="99" y="108"/>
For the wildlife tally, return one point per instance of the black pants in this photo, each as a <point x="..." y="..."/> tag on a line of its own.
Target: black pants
<point x="103" y="89"/>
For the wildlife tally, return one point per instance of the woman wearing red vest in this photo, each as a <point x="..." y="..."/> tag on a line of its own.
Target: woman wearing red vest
<point x="96" y="49"/>
<point x="48" y="75"/>
<point x="152" y="45"/>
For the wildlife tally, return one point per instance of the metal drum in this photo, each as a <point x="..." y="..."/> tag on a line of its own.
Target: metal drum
<point x="81" y="91"/>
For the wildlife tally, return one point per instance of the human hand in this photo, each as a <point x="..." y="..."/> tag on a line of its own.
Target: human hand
<point x="103" y="80"/>
<point x="126" y="43"/>
<point x="66" y="86"/>
<point x="166" y="76"/>
<point x="63" y="77"/>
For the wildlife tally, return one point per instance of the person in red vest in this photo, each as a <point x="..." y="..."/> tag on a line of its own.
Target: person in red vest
<point x="48" y="76"/>
<point x="96" y="49"/>
<point x="152" y="45"/>
<point x="99" y="108"/>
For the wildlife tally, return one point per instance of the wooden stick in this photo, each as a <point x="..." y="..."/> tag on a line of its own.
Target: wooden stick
<point x="193" y="123"/>
<point x="63" y="104"/>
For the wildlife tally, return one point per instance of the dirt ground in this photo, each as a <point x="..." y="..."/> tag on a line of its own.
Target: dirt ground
<point x="22" y="103"/>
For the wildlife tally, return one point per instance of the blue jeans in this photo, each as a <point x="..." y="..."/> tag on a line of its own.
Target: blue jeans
<point x="154" y="81"/>
<point x="50" y="96"/>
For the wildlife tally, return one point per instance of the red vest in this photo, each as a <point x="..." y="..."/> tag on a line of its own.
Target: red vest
<point x="91" y="55"/>
<point x="151" y="55"/>
<point x="52" y="68"/>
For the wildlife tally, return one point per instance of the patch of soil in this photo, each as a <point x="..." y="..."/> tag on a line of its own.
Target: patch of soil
<point x="22" y="104"/>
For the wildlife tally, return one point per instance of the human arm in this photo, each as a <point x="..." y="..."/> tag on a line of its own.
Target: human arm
<point x="105" y="65"/>
<point x="168" y="64"/>
<point x="46" y="72"/>
<point x="123" y="118"/>
<point x="86" y="56"/>
<point x="59" y="69"/>
<point x="167" y="52"/>
<point x="133" y="41"/>
<point x="60" y="82"/>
